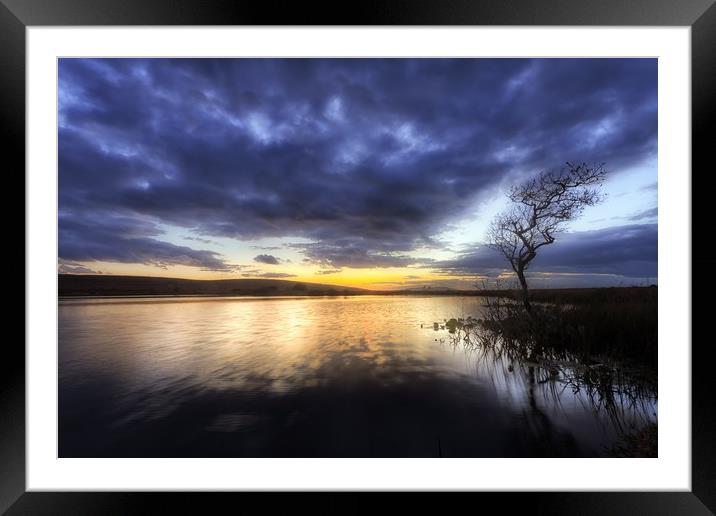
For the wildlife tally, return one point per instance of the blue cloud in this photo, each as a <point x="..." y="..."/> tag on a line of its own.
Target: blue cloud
<point x="385" y="152"/>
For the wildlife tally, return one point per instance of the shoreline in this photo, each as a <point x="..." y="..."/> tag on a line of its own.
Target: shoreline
<point x="100" y="286"/>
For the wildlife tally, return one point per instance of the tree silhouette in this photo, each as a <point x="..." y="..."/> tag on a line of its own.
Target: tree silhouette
<point x="541" y="208"/>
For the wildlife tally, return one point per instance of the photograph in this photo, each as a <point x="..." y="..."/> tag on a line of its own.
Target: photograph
<point x="357" y="257"/>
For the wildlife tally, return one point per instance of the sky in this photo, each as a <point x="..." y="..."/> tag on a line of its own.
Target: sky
<point x="377" y="173"/>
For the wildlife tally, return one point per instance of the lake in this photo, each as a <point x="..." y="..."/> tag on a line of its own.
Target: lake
<point x="363" y="376"/>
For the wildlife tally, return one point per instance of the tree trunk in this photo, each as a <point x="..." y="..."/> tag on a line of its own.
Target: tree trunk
<point x="525" y="291"/>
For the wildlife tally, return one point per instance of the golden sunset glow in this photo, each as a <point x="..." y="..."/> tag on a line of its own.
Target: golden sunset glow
<point x="392" y="278"/>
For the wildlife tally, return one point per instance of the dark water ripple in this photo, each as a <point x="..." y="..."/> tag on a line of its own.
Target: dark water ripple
<point x="310" y="377"/>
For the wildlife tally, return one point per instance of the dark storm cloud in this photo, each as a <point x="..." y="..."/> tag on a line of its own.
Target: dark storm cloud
<point x="386" y="149"/>
<point x="644" y="214"/>
<point x="267" y="259"/>
<point x="123" y="240"/>
<point x="276" y="275"/>
<point x="199" y="239"/>
<point x="65" y="267"/>
<point x="269" y="275"/>
<point x="622" y="250"/>
<point x="357" y="252"/>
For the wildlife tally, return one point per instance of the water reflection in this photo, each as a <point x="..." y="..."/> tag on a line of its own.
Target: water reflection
<point x="362" y="376"/>
<point x="556" y="382"/>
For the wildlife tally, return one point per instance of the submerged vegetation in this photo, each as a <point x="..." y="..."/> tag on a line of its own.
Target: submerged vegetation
<point x="598" y="342"/>
<point x="618" y="323"/>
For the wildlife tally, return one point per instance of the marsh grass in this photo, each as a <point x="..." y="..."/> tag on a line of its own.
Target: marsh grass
<point x="624" y="393"/>
<point x="601" y="343"/>
<point x="618" y="323"/>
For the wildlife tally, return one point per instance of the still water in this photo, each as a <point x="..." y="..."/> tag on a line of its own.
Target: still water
<point x="364" y="376"/>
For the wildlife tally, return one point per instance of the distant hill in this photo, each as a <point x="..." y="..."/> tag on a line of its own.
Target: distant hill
<point x="427" y="289"/>
<point x="106" y="285"/>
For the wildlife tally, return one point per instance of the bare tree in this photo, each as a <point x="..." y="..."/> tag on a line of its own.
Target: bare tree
<point x="542" y="206"/>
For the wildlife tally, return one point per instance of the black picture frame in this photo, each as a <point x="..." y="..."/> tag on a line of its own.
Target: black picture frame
<point x="700" y="15"/>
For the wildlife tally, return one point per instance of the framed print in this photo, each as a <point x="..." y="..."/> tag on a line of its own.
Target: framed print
<point x="413" y="249"/>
